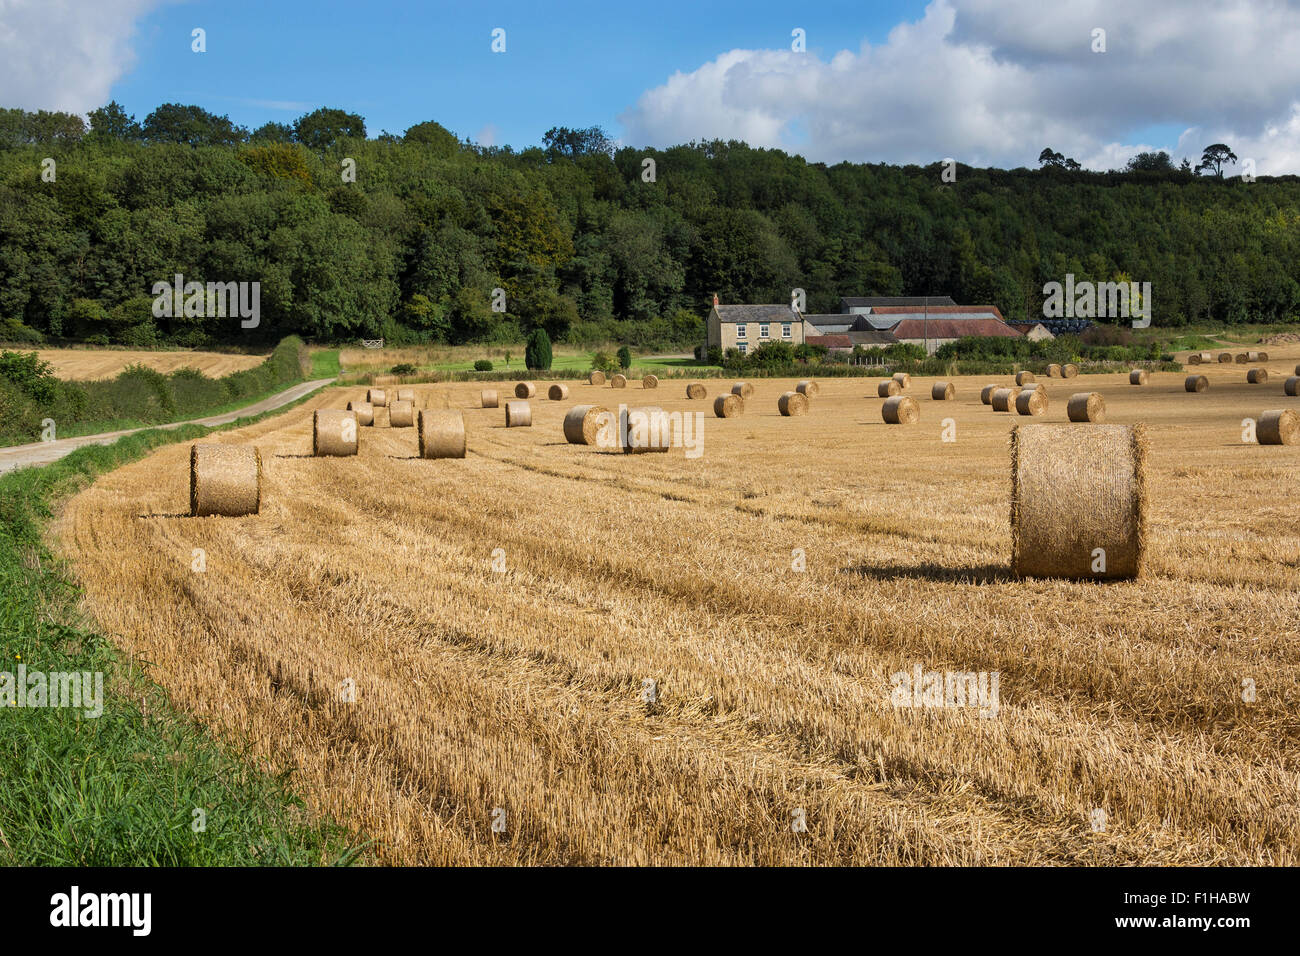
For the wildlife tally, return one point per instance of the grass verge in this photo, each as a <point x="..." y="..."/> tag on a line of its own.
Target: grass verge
<point x="140" y="784"/>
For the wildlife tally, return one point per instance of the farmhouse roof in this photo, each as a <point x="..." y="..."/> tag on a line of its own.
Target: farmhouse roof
<point x="756" y="313"/>
<point x="946" y="328"/>
<point x="952" y="311"/>
<point x="830" y="341"/>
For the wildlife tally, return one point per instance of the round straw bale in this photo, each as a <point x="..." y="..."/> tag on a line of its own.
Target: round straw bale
<point x="225" y="480"/>
<point x="1196" y="383"/>
<point x="1225" y="358"/>
<point x="442" y="433"/>
<point x="1035" y="387"/>
<point x="793" y="403"/>
<point x="1252" y="357"/>
<point x="1086" y="407"/>
<point x="557" y="392"/>
<point x="808" y="387"/>
<point x="1024" y="378"/>
<point x="333" y="432"/>
<point x="901" y="410"/>
<point x="1241" y="358"/>
<point x="488" y="398"/>
<point x="903" y="379"/>
<point x="1204" y="357"/>
<point x="525" y="390"/>
<point x="1281" y="426"/>
<point x="518" y="414"/>
<point x="364" y="411"/>
<point x="1194" y="358"/>
<point x="406" y="395"/>
<point x="377" y="397"/>
<point x="943" y="391"/>
<point x="1257" y="376"/>
<point x="401" y="415"/>
<point x="618" y="381"/>
<point x="1078" y="501"/>
<point x="696" y="390"/>
<point x="582" y="423"/>
<point x="986" y="393"/>
<point x="728" y="406"/>
<point x="1069" y="371"/>
<point x="1053" y="371"/>
<point x="1137" y="377"/>
<point x="743" y="389"/>
<point x="644" y="430"/>
<point x="650" y="381"/>
<point x="888" y="387"/>
<point x="595" y="377"/>
<point x="1032" y="401"/>
<point x="1292" y="385"/>
<point x="1004" y="399"/>
<point x="1263" y="356"/>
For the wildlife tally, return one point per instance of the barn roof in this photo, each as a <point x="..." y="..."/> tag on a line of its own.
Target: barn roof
<point x="944" y="328"/>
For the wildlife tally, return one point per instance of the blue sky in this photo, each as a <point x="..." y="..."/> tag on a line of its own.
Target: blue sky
<point x="986" y="82"/>
<point x="400" y="63"/>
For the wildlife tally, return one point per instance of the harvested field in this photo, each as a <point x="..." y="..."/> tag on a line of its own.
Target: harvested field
<point x="522" y="688"/>
<point x="95" y="364"/>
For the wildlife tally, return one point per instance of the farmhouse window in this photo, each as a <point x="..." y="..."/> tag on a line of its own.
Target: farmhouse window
<point x="762" y="331"/>
<point x="740" y="330"/>
<point x="785" y="330"/>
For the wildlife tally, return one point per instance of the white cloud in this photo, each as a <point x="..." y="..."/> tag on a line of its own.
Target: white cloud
<point x="994" y="81"/>
<point x="66" y="54"/>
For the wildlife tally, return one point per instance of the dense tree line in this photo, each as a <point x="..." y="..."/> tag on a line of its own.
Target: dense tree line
<point x="407" y="237"/>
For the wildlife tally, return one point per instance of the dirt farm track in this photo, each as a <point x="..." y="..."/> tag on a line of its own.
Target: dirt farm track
<point x="499" y="616"/>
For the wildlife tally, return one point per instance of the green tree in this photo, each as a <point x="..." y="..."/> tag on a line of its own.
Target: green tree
<point x="537" y="352"/>
<point x="624" y="357"/>
<point x="1214" y="157"/>
<point x="321" y="129"/>
<point x="191" y="126"/>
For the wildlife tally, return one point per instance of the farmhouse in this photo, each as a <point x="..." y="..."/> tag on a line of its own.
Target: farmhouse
<point x="744" y="327"/>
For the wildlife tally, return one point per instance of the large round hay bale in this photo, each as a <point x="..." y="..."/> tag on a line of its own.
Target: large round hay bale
<point x="1196" y="383"/>
<point x="1069" y="371"/>
<point x="1241" y="358"/>
<point x="696" y="390"/>
<point x="903" y="379"/>
<point x="650" y="381"/>
<point x="525" y="390"/>
<point x="1253" y="357"/>
<point x="377" y="397"/>
<point x="986" y="393"/>
<point x="333" y="432"/>
<point x="225" y="480"/>
<point x="557" y="392"/>
<point x="1257" y="376"/>
<point x="406" y="395"/>
<point x="1004" y="399"/>
<point x="1263" y="357"/>
<point x="888" y="387"/>
<point x="401" y="415"/>
<point x="1203" y="357"/>
<point x="582" y="424"/>
<point x="1297" y="369"/>
<point x="1086" y="407"/>
<point x="743" y="389"/>
<point x="618" y="381"/>
<point x="1292" y="385"/>
<point x="644" y="430"/>
<point x="595" y="377"/>
<point x="518" y="415"/>
<point x="1024" y="377"/>
<point x="1194" y="358"/>
<point x="1035" y="387"/>
<point x="943" y="391"/>
<point x="1032" y="401"/>
<point x="808" y="387"/>
<point x="728" y="406"/>
<point x="1225" y="358"/>
<point x="1137" y="377"/>
<point x="364" y="411"/>
<point x="1053" y="371"/>
<point x="488" y="398"/>
<point x="901" y="410"/>
<point x="1281" y="426"/>
<point x="1078" y="500"/>
<point x="442" y="433"/>
<point x="793" y="403"/>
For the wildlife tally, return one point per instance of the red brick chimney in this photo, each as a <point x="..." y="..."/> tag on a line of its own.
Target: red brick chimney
<point x="715" y="300"/>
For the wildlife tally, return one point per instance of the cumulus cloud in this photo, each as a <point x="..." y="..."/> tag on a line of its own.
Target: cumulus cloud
<point x="66" y="54"/>
<point x="991" y="82"/>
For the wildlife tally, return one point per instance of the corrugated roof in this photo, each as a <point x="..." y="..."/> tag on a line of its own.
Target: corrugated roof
<point x="756" y="313"/>
<point x="947" y="328"/>
<point x="871" y="337"/>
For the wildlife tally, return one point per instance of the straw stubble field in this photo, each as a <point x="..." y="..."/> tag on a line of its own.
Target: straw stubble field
<point x="521" y="689"/>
